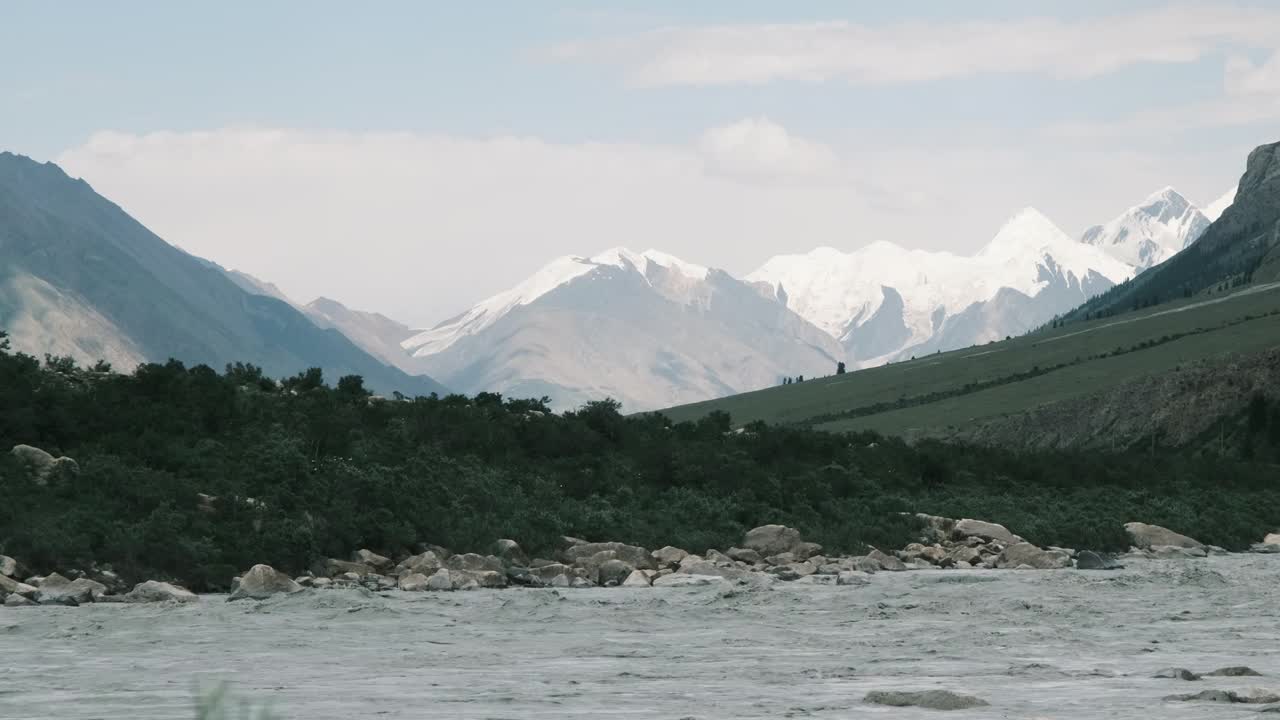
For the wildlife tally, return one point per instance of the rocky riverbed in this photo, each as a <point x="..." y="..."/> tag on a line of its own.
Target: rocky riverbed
<point x="1064" y="643"/>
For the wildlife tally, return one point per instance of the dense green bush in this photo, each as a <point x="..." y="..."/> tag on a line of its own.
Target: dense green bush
<point x="303" y="471"/>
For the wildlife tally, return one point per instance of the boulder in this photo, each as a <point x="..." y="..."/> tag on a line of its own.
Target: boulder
<point x="58" y="590"/>
<point x="637" y="578"/>
<point x="510" y="552"/>
<point x="321" y="583"/>
<point x="1265" y="548"/>
<point x="806" y="550"/>
<point x="333" y="567"/>
<point x="1271" y="539"/>
<point x="1252" y="697"/>
<point x="803" y="569"/>
<point x="1028" y="555"/>
<point x="829" y="568"/>
<point x="9" y="586"/>
<point x="37" y="463"/>
<point x="746" y="555"/>
<point x="156" y="591"/>
<point x="886" y="562"/>
<point x="372" y="559"/>
<point x="1090" y="560"/>
<point x="1174" y="552"/>
<point x="771" y="539"/>
<point x="1234" y="671"/>
<point x="670" y="556"/>
<point x="581" y="583"/>
<point x="96" y="589"/>
<point x="426" y="563"/>
<point x="9" y="567"/>
<point x="785" y="558"/>
<point x="440" y="580"/>
<point x="936" y="528"/>
<point x="1148" y="536"/>
<point x="16" y="600"/>
<point x="466" y="579"/>
<point x="263" y="581"/>
<point x="473" y="562"/>
<point x="636" y="556"/>
<point x="986" y="531"/>
<point x="547" y="574"/>
<point x="614" y="572"/>
<point x="866" y="565"/>
<point x="934" y="554"/>
<point x="816" y="580"/>
<point x="964" y="554"/>
<point x="718" y="558"/>
<point x="852" y="577"/>
<point x="413" y="582"/>
<point x="928" y="699"/>
<point x="1176" y="674"/>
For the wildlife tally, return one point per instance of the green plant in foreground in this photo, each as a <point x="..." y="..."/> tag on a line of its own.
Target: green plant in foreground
<point x="218" y="704"/>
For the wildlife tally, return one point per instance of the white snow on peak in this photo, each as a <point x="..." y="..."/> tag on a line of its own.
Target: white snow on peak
<point x="1213" y="210"/>
<point x="1151" y="232"/>
<point x="555" y="274"/>
<point x="838" y="291"/>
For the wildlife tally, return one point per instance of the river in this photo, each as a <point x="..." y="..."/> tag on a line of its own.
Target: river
<point x="1034" y="644"/>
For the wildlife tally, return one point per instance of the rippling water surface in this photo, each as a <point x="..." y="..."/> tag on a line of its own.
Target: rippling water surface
<point x="1034" y="644"/>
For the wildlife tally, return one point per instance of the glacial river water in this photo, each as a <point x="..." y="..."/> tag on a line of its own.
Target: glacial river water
<point x="1034" y="644"/>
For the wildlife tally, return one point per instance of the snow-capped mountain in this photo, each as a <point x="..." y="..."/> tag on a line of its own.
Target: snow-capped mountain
<point x="883" y="301"/>
<point x="1151" y="232"/>
<point x="1213" y="210"/>
<point x="647" y="329"/>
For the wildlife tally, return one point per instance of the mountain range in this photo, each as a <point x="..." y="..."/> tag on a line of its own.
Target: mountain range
<point x="645" y="328"/>
<point x="81" y="278"/>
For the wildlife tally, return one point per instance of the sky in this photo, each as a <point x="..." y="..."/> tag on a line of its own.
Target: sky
<point x="413" y="158"/>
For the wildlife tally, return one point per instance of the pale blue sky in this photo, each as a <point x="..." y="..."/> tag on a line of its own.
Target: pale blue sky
<point x="1077" y="108"/>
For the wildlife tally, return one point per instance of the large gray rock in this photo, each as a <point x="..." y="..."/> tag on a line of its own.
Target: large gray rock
<point x="1175" y="552"/>
<point x="16" y="600"/>
<point x="746" y="555"/>
<point x="413" y="582"/>
<point x="636" y="556"/>
<point x="441" y="580"/>
<point x="614" y="572"/>
<point x="637" y="578"/>
<point x="1026" y="554"/>
<point x="986" y="531"/>
<point x="929" y="699"/>
<point x="466" y="579"/>
<point x="771" y="539"/>
<point x="473" y="562"/>
<point x="9" y="586"/>
<point x="426" y="563"/>
<point x="1251" y="697"/>
<point x="683" y="580"/>
<point x="1147" y="536"/>
<point x="372" y="559"/>
<point x="1271" y="539"/>
<point x="1176" y="673"/>
<point x="1234" y="671"/>
<point x="333" y="567"/>
<point x="9" y="567"/>
<point x="263" y="581"/>
<point x="58" y="590"/>
<point x="708" y="568"/>
<point x="510" y="552"/>
<point x="669" y="556"/>
<point x="42" y="467"/>
<point x="886" y="561"/>
<point x="853" y="577"/>
<point x="553" y="575"/>
<point x="1090" y="560"/>
<point x="156" y="591"/>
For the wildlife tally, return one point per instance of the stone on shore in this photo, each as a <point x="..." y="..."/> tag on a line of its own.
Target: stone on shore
<point x="1025" y="554"/>
<point x="886" y="562"/>
<point x="510" y="552"/>
<point x="1271" y="539"/>
<point x="928" y="699"/>
<point x="378" y="562"/>
<point x="42" y="467"/>
<point x="58" y="590"/>
<point x="614" y="572"/>
<point x="746" y="555"/>
<point x="1174" y="673"/>
<point x="1146" y="536"/>
<point x="333" y="567"/>
<point x="1234" y="671"/>
<point x="669" y="556"/>
<point x="16" y="600"/>
<point x="695" y="566"/>
<point x="852" y="577"/>
<point x="634" y="555"/>
<point x="1175" y="552"/>
<point x="984" y="530"/>
<point x="1251" y="697"/>
<point x="413" y="582"/>
<point x="263" y="581"/>
<point x="637" y="578"/>
<point x="772" y="539"/>
<point x="473" y="562"/>
<point x="156" y="591"/>
<point x="426" y="563"/>
<point x="683" y="580"/>
<point x="470" y="579"/>
<point x="441" y="580"/>
<point x="9" y="567"/>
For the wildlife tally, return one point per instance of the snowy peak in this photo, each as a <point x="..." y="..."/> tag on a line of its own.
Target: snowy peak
<point x="1151" y="232"/>
<point x="1214" y="210"/>
<point x="1028" y="231"/>
<point x="556" y="274"/>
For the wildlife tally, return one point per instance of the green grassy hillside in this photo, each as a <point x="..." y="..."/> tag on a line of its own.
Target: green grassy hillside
<point x="964" y="386"/>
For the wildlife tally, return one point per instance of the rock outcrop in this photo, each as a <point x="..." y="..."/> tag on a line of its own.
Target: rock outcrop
<point x="771" y="539"/>
<point x="263" y="581"/>
<point x="155" y="591"/>
<point x="1146" y="536"/>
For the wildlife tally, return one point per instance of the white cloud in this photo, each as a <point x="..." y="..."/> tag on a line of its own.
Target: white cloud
<point x="422" y="226"/>
<point x="1244" y="78"/>
<point x="760" y="149"/>
<point x="921" y="51"/>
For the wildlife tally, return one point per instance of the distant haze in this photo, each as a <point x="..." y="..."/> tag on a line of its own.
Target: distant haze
<point x="461" y="152"/>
